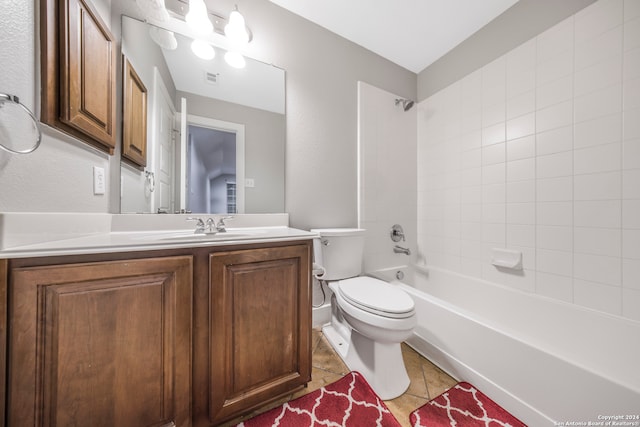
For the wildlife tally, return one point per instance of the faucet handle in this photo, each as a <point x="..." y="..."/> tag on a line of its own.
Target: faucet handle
<point x="221" y="225"/>
<point x="199" y="223"/>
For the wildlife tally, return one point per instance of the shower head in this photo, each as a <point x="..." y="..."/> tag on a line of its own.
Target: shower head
<point x="406" y="103"/>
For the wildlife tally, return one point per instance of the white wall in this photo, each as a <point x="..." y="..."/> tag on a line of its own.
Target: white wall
<point x="539" y="151"/>
<point x="57" y="176"/>
<point x="387" y="171"/>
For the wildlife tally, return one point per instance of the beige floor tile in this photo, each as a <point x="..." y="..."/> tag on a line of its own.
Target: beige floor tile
<point x="437" y="380"/>
<point x="413" y="362"/>
<point x="402" y="406"/>
<point x="325" y="358"/>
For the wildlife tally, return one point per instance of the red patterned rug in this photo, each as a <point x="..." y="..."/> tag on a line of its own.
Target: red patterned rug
<point x="463" y="405"/>
<point x="348" y="402"/>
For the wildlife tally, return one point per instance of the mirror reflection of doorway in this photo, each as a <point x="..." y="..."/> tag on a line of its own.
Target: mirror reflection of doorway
<point x="211" y="157"/>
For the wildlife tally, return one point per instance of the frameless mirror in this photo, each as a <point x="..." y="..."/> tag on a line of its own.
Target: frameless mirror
<point x="215" y="134"/>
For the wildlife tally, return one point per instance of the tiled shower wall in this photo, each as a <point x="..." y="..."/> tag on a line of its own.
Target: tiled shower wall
<point x="539" y="151"/>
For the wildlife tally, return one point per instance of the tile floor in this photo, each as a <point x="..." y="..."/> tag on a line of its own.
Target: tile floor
<point x="427" y="380"/>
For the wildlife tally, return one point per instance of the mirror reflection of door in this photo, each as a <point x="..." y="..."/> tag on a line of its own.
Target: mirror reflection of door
<point x="163" y="125"/>
<point x="211" y="154"/>
<point x="214" y="166"/>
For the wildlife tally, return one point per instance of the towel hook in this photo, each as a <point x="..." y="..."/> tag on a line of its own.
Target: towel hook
<point x="11" y="104"/>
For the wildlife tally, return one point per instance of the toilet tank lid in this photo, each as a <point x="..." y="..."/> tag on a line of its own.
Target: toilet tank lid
<point x="328" y="232"/>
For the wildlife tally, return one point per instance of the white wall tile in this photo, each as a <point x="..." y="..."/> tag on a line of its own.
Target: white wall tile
<point x="556" y="40"/>
<point x="601" y="47"/>
<point x="598" y="186"/>
<point x="598" y="76"/>
<point x="554" y="68"/>
<point x="493" y="154"/>
<point x="494" y="213"/>
<point x="597" y="241"/>
<point x="554" y="213"/>
<point x="630" y="66"/>
<point x="631" y="9"/>
<point x="493" y="114"/>
<point x="632" y="34"/>
<point x="555" y="116"/>
<point x="631" y="184"/>
<point x="554" y="92"/>
<point x="554" y="141"/>
<point x="554" y="286"/>
<point x="521" y="191"/>
<point x="521" y="213"/>
<point x="601" y="130"/>
<point x="521" y="59"/>
<point x="554" y="262"/>
<point x="521" y="126"/>
<point x="631" y="273"/>
<point x="554" y="189"/>
<point x="631" y="304"/>
<point x="631" y="94"/>
<point x="520" y="83"/>
<point x="631" y="244"/>
<point x="521" y="148"/>
<point x="523" y="103"/>
<point x="521" y="235"/>
<point x="520" y="170"/>
<point x="554" y="165"/>
<point x="598" y="296"/>
<point x="553" y="237"/>
<point x="600" y="158"/>
<point x="494" y="174"/>
<point x="631" y="123"/>
<point x="631" y="154"/>
<point x="606" y="213"/>
<point x="493" y="233"/>
<point x="494" y="193"/>
<point x="597" y="18"/>
<point x="598" y="103"/>
<point x="598" y="268"/>
<point x="493" y="134"/>
<point x="631" y="214"/>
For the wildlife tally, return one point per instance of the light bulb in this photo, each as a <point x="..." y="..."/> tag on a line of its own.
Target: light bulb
<point x="236" y="29"/>
<point x="202" y="49"/>
<point x="198" y="18"/>
<point x="235" y="59"/>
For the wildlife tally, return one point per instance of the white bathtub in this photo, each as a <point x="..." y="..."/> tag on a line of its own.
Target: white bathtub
<point x="545" y="361"/>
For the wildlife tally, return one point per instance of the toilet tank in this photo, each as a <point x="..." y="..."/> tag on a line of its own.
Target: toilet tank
<point x="339" y="251"/>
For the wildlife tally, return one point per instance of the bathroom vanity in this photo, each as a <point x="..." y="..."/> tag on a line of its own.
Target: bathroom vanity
<point x="153" y="327"/>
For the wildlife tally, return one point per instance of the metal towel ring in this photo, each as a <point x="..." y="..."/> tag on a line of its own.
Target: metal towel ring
<point x="5" y="98"/>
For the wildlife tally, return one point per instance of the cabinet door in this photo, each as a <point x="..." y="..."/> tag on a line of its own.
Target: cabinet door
<point x="260" y="327"/>
<point x="78" y="56"/>
<point x="100" y="344"/>
<point x="134" y="116"/>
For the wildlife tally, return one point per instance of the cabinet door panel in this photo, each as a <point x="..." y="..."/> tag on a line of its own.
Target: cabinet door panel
<point x="101" y="344"/>
<point x="260" y="327"/>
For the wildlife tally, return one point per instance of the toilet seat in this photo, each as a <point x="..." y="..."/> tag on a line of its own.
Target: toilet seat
<point x="377" y="297"/>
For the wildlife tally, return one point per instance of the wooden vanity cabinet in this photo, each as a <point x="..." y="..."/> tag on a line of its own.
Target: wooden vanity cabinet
<point x="260" y="327"/>
<point x="100" y="344"/>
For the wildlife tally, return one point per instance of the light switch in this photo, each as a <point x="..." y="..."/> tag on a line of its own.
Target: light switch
<point x="99" y="184"/>
<point x="249" y="183"/>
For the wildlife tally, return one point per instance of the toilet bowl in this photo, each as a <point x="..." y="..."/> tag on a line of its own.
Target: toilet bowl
<point x="370" y="318"/>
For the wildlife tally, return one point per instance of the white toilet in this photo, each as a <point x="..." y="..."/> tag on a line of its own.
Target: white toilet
<point x="369" y="317"/>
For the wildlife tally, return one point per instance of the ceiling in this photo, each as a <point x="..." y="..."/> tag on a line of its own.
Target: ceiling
<point x="410" y="33"/>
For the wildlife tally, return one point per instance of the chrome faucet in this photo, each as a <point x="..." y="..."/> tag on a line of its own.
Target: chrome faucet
<point x="400" y="250"/>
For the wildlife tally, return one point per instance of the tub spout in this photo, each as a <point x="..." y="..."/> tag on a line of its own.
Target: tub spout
<point x="400" y="250"/>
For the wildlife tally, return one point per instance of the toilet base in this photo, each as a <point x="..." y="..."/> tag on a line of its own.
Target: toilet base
<point x="380" y="363"/>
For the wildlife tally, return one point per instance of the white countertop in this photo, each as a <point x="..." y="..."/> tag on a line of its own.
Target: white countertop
<point x="37" y="235"/>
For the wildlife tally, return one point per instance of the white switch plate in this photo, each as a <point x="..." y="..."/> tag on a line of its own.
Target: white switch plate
<point x="99" y="184"/>
<point x="249" y="183"/>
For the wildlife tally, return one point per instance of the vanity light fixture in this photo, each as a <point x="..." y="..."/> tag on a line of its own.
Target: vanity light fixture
<point x="154" y="9"/>
<point x="198" y="18"/>
<point x="236" y="29"/>
<point x="202" y="49"/>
